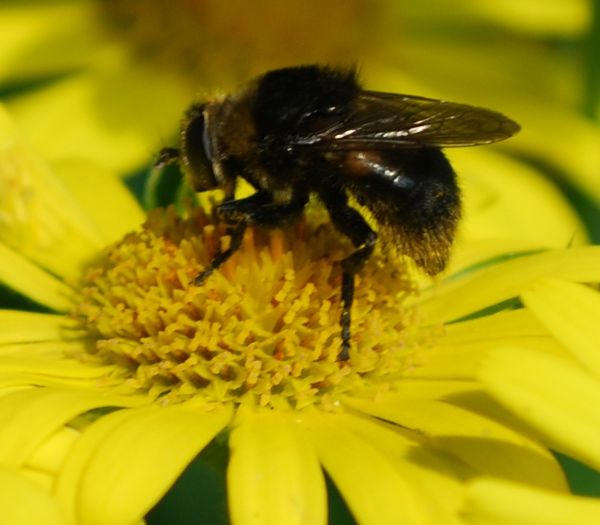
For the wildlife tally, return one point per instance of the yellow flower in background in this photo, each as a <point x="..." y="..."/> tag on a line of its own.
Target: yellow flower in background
<point x="114" y="76"/>
<point x="523" y="58"/>
<point x="109" y="395"/>
<point x="557" y="396"/>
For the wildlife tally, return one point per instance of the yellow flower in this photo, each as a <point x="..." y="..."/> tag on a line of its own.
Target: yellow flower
<point x="24" y="502"/>
<point x="558" y="402"/>
<point x="131" y="372"/>
<point x="494" y="502"/>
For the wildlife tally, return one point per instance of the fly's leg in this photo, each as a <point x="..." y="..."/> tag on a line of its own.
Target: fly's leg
<point x="237" y="235"/>
<point x="352" y="224"/>
<point x="166" y="156"/>
<point x="257" y="209"/>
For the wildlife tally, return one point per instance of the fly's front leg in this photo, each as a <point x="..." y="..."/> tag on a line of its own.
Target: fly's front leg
<point x="237" y="235"/>
<point x="351" y="223"/>
<point x="166" y="156"/>
<point x="257" y="209"/>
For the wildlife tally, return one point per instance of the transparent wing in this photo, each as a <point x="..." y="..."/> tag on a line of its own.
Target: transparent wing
<point x="388" y="121"/>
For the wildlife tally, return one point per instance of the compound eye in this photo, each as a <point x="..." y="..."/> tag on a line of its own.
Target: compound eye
<point x="196" y="151"/>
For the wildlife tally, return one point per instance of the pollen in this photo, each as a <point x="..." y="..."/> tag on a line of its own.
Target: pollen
<point x="265" y="326"/>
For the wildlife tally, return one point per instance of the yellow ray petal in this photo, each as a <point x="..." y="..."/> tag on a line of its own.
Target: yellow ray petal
<point x="454" y="363"/>
<point x="456" y="298"/>
<point x="495" y="502"/>
<point x="564" y="18"/>
<point x="506" y="199"/>
<point x="374" y="490"/>
<point x="467" y="255"/>
<point x="410" y="388"/>
<point x="124" y="463"/>
<point x="273" y="475"/>
<point x="30" y="280"/>
<point x="25" y="503"/>
<point x="38" y="217"/>
<point x="50" y="455"/>
<point x="572" y="146"/>
<point x="36" y="41"/>
<point x="558" y="17"/>
<point x="66" y="489"/>
<point x="22" y="327"/>
<point x="497" y="328"/>
<point x="434" y="474"/>
<point x="485" y="445"/>
<point x="110" y="116"/>
<point x="459" y="352"/>
<point x="571" y="312"/>
<point x="47" y="359"/>
<point x="109" y="204"/>
<point x="504" y="328"/>
<point x="552" y="394"/>
<point x="29" y="417"/>
<point x="17" y="381"/>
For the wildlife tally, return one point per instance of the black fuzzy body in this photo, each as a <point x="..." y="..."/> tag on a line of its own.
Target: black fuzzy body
<point x="418" y="216"/>
<point x="312" y="130"/>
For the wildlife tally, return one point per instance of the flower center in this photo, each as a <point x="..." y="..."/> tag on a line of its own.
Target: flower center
<point x="266" y="324"/>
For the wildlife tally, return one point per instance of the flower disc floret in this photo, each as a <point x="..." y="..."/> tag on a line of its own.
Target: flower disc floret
<point x="264" y="325"/>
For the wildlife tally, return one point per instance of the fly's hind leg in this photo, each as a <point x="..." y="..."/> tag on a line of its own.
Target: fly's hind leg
<point x="257" y="209"/>
<point x="352" y="224"/>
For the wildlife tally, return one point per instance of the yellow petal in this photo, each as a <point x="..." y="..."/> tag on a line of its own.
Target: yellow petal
<point x="36" y="41"/>
<point x="447" y="362"/>
<point x="467" y="255"/>
<point x="38" y="217"/>
<point x="25" y="503"/>
<point x="553" y="395"/>
<point x="47" y="359"/>
<point x="565" y="18"/>
<point x="30" y="280"/>
<point x="374" y="490"/>
<point x="125" y="462"/>
<point x="497" y="328"/>
<point x="459" y="297"/>
<point x="29" y="417"/>
<point x="495" y="502"/>
<point x="571" y="312"/>
<point x="572" y="147"/>
<point x="117" y="115"/>
<point x="508" y="200"/>
<point x="19" y="327"/>
<point x="273" y="475"/>
<point x="108" y="203"/>
<point x="558" y="17"/>
<point x="459" y="352"/>
<point x="432" y="473"/>
<point x="50" y="455"/>
<point x="482" y="443"/>
<point x="410" y="388"/>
